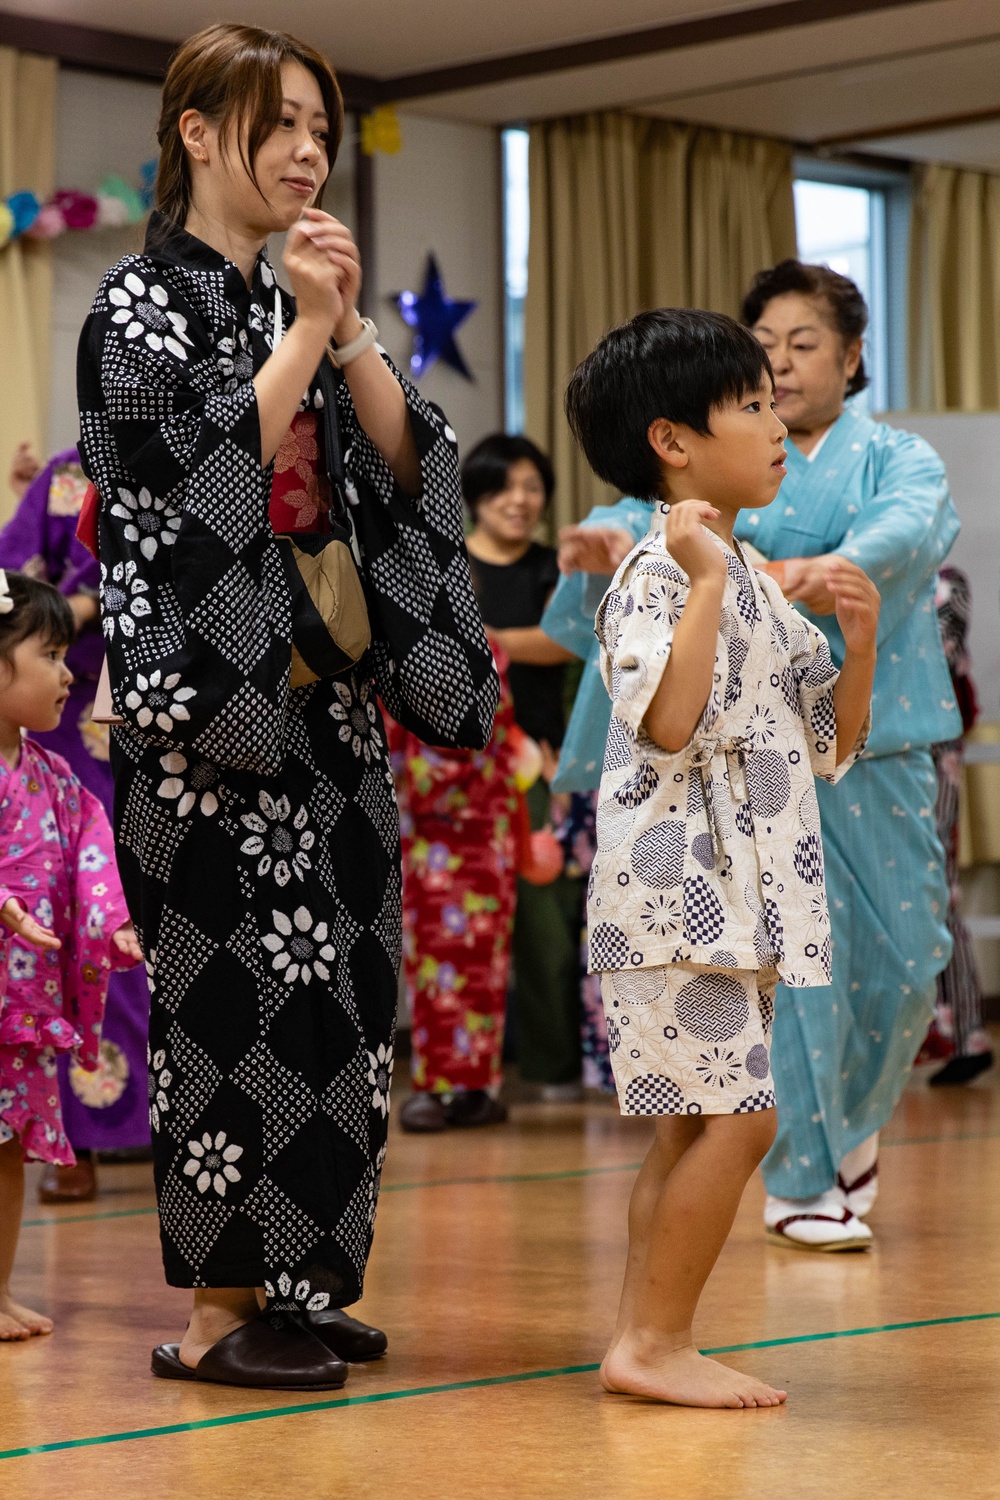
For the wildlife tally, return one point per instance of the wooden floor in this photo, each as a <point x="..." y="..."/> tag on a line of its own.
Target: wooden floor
<point x="496" y="1265"/>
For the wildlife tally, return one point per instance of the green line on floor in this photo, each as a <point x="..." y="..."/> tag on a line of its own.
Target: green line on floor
<point x="512" y="1177"/>
<point x="388" y="1187"/>
<point x="457" y="1385"/>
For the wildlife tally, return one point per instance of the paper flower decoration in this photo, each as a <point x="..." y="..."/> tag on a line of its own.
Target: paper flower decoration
<point x="434" y="317"/>
<point x="380" y="132"/>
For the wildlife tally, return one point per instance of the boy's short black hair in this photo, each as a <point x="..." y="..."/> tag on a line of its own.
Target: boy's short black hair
<point x="39" y="609"/>
<point x="674" y="362"/>
<point x="485" y="470"/>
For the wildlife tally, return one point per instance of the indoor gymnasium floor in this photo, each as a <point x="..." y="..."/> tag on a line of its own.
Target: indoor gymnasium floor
<point x="496" y="1267"/>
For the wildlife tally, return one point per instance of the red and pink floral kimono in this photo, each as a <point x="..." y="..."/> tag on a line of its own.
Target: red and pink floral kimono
<point x="57" y="859"/>
<point x="458" y="813"/>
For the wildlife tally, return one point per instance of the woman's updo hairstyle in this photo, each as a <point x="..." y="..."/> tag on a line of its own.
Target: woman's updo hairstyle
<point x="845" y="305"/>
<point x="232" y="75"/>
<point x="487" y="466"/>
<point x="36" y="609"/>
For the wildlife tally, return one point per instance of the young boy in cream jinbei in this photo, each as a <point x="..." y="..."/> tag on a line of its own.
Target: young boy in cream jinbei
<point x="708" y="882"/>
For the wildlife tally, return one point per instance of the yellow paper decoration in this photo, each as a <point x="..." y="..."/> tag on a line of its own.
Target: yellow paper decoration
<point x="6" y="224"/>
<point x="380" y="132"/>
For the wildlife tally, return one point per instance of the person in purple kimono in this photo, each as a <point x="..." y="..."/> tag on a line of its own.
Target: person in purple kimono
<point x="107" y="1109"/>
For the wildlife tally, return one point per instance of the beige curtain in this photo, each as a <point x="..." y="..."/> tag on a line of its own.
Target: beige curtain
<point x="627" y="213"/>
<point x="955" y="290"/>
<point x="27" y="162"/>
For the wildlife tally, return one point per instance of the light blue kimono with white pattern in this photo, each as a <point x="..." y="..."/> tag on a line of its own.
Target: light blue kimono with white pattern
<point x="569" y="619"/>
<point x="841" y="1055"/>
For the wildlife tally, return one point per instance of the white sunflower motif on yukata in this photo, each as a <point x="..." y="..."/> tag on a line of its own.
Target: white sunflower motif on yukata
<point x="211" y="1163"/>
<point x="357" y="717"/>
<point x="234" y="360"/>
<point x="380" y="1077"/>
<point x="282" y="842"/>
<point x="189" y="787"/>
<point x="148" y="520"/>
<point x="160" y="700"/>
<point x="123" y="598"/>
<point x="300" y="949"/>
<point x="160" y="1079"/>
<point x="147" y="314"/>
<point x="304" y="1294"/>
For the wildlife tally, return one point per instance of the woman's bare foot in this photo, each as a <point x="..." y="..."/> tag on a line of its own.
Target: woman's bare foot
<point x="216" y="1312"/>
<point x="17" y="1322"/>
<point x="681" y="1375"/>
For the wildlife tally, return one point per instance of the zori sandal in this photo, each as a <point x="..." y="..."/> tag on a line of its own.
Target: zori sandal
<point x="824" y="1223"/>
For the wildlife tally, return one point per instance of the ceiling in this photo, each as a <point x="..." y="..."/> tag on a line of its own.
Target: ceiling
<point x="919" y="80"/>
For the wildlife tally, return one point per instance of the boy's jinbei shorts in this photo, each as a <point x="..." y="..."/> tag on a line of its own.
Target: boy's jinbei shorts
<point x="690" y="1039"/>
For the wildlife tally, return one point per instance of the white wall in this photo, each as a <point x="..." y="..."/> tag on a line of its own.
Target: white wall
<point x="104" y="125"/>
<point x="970" y="447"/>
<point x="441" y="193"/>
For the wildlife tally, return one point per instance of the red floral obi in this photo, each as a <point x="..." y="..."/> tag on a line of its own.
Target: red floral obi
<point x="300" y="490"/>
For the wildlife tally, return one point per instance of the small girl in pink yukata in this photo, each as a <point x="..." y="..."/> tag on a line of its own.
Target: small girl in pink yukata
<point x="63" y="920"/>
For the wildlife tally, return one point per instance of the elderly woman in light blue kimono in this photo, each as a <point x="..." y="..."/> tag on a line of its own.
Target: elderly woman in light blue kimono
<point x="589" y="555"/>
<point x="879" y="497"/>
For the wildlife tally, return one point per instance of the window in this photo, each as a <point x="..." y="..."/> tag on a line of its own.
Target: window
<point x="515" y="215"/>
<point x="855" y="221"/>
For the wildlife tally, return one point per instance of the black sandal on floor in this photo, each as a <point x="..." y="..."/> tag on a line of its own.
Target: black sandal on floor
<point x="961" y="1069"/>
<point x="347" y="1337"/>
<point x="271" y="1353"/>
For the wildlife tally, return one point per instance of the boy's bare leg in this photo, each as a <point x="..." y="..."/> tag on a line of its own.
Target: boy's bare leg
<point x="692" y="1215"/>
<point x="16" y="1322"/>
<point x="674" y="1134"/>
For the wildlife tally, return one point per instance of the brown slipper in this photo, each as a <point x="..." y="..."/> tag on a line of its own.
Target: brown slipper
<point x="423" y="1114"/>
<point x="271" y="1353"/>
<point x="76" y="1184"/>
<point x="475" y="1107"/>
<point x="345" y="1336"/>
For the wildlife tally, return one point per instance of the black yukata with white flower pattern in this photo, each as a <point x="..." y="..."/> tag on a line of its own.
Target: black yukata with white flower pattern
<point x="255" y="824"/>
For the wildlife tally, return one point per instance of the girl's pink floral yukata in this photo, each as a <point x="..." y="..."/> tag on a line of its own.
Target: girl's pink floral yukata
<point x="57" y="859"/>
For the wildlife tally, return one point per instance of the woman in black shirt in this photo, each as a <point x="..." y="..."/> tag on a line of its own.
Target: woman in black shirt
<point x="507" y="483"/>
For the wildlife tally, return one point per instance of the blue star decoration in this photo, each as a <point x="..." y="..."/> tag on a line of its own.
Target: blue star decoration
<point x="434" y="317"/>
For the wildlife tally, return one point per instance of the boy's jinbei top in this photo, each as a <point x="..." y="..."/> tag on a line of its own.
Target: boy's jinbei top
<point x="256" y="827"/>
<point x="712" y="855"/>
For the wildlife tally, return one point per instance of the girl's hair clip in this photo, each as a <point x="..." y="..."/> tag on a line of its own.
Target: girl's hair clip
<point x="6" y="602"/>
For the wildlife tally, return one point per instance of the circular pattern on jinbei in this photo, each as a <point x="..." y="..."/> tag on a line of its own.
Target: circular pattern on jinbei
<point x="758" y="1062"/>
<point x="712" y="1007"/>
<point x="808" y="859"/>
<point x="701" y="848"/>
<point x="614" y="822"/>
<point x="768" y="782"/>
<point x="640" y="986"/>
<point x="658" y="855"/>
<point x="609" y="947"/>
<point x="638" y="788"/>
<point x="704" y="918"/>
<point x="809" y="810"/>
<point x="618" y="751"/>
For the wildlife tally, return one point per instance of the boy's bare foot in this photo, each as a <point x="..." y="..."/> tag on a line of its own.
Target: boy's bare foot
<point x="682" y="1376"/>
<point x="17" y="1322"/>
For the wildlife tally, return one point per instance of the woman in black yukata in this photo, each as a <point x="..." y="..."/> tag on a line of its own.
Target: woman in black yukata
<point x="255" y="823"/>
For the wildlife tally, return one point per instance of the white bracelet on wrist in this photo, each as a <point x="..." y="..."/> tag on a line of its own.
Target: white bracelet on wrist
<point x="364" y="340"/>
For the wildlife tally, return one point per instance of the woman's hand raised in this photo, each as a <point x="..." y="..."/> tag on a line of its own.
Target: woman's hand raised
<point x="324" y="269"/>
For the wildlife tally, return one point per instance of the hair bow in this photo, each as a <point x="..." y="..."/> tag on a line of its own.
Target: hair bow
<point x="6" y="602"/>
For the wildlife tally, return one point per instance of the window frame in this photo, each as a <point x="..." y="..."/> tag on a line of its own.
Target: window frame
<point x="890" y="186"/>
